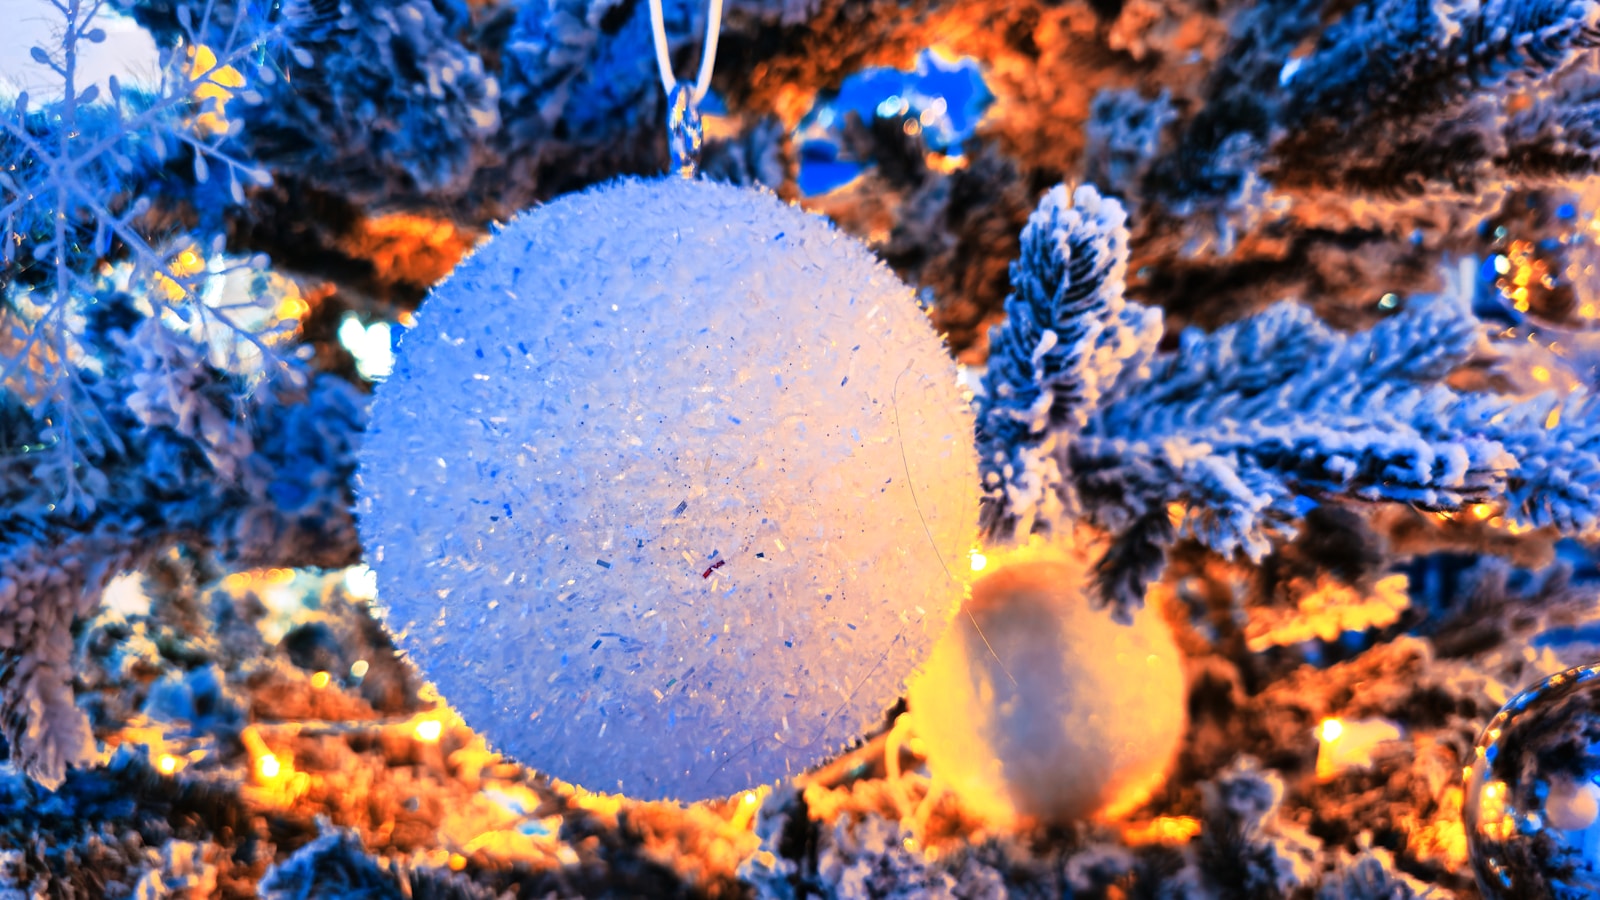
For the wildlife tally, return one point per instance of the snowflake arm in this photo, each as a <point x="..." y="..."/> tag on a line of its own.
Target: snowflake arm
<point x="270" y="488"/>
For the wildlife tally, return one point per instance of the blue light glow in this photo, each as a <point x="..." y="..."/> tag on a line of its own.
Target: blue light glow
<point x="947" y="97"/>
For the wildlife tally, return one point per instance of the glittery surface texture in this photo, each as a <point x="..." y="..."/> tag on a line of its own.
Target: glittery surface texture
<point x="666" y="486"/>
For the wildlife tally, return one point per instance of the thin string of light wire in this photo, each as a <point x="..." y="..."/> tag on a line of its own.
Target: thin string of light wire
<point x="708" y="57"/>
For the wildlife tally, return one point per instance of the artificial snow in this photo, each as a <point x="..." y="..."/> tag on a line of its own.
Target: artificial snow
<point x="663" y="489"/>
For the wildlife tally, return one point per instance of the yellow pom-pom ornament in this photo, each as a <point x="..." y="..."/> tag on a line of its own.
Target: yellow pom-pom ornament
<point x="1035" y="708"/>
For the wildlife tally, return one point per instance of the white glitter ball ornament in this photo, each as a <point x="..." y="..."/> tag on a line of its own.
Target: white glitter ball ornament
<point x="661" y="489"/>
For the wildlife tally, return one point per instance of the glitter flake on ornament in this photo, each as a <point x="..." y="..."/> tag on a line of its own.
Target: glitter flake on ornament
<point x="663" y="488"/>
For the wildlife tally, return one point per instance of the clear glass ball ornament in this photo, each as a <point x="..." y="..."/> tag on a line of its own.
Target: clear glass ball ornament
<point x="1532" y="809"/>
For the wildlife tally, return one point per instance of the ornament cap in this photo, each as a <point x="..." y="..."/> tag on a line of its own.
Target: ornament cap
<point x="685" y="132"/>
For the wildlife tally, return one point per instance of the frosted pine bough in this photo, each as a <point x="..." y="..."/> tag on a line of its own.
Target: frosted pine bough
<point x="664" y="486"/>
<point x="1233" y="436"/>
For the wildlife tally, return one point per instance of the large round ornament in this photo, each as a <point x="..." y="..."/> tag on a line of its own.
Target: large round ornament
<point x="1035" y="708"/>
<point x="662" y="489"/>
<point x="1532" y="808"/>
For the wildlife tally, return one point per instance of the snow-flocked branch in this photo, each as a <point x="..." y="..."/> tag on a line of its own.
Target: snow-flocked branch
<point x="1231" y="437"/>
<point x="259" y="480"/>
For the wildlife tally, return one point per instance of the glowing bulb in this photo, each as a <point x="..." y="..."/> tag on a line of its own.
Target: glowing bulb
<point x="429" y="730"/>
<point x="268" y="767"/>
<point x="167" y="764"/>
<point x="1166" y="831"/>
<point x="1352" y="745"/>
<point x="457" y="862"/>
<point x="293" y="308"/>
<point x="1331" y="730"/>
<point x="358" y="669"/>
<point x="1540" y="374"/>
<point x="979" y="561"/>
<point x="320" y="680"/>
<point x="370" y="345"/>
<point x="744" y="811"/>
<point x="1482" y="510"/>
<point x="361" y="582"/>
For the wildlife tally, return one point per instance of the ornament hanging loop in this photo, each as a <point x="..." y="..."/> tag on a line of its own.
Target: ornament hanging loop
<point x="685" y="134"/>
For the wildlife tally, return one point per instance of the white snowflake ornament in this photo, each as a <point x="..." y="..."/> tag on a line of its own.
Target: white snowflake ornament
<point x="662" y="489"/>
